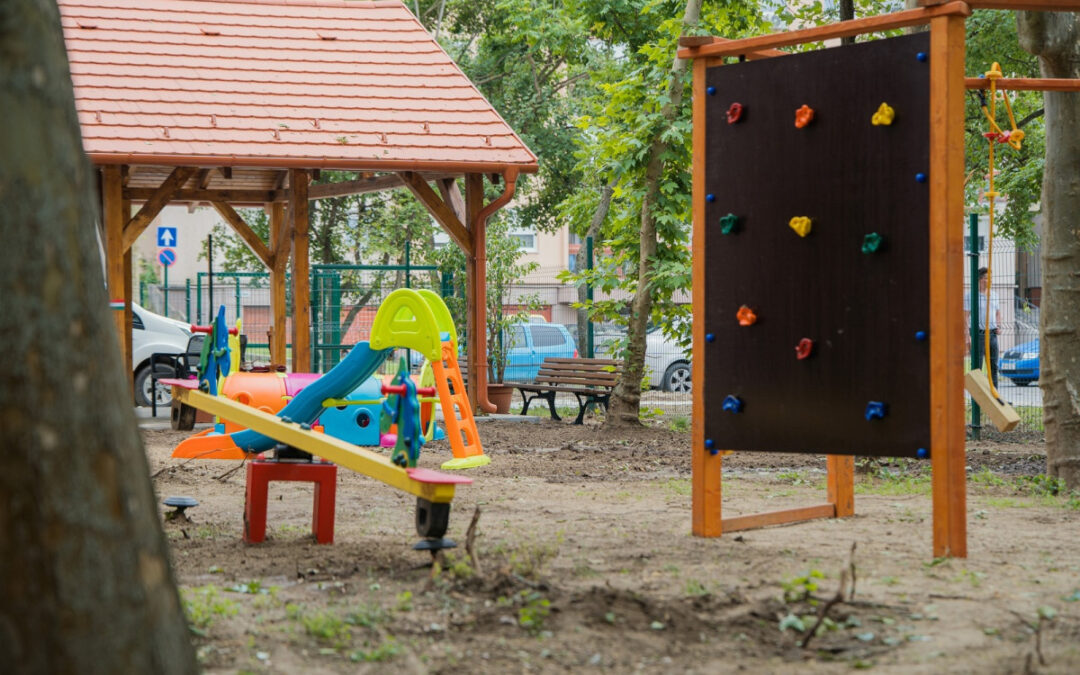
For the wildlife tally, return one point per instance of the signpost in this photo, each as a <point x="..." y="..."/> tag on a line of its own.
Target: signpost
<point x="166" y="257"/>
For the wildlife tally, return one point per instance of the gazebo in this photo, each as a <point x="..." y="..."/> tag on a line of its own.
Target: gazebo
<point x="243" y="103"/>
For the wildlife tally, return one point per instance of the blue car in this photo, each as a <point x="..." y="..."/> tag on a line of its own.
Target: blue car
<point x="1021" y="363"/>
<point x="530" y="344"/>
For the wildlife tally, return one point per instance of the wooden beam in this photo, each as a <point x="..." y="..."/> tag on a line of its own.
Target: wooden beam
<point x="706" y="468"/>
<point x="696" y="42"/>
<point x="475" y="285"/>
<point x="279" y="180"/>
<point x="871" y="24"/>
<point x="246" y="233"/>
<point x="157" y="201"/>
<point x="129" y="316"/>
<point x="1016" y="5"/>
<point x="947" y="94"/>
<point x="841" y="484"/>
<point x="798" y="515"/>
<point x="112" y="214"/>
<point x="442" y="213"/>
<point x="1024" y="84"/>
<point x="230" y="196"/>
<point x="301" y="282"/>
<point x="355" y="187"/>
<point x="226" y="172"/>
<point x="451" y="195"/>
<point x="202" y="179"/>
<point x="279" y="244"/>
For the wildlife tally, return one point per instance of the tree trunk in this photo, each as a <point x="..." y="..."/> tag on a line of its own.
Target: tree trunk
<point x="626" y="396"/>
<point x="1055" y="38"/>
<point x="85" y="580"/>
<point x="599" y="215"/>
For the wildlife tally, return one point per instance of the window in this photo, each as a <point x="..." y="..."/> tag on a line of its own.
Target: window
<point x="526" y="237"/>
<point x="136" y="322"/>
<point x="967" y="243"/>
<point x="547" y="336"/>
<point x="515" y="338"/>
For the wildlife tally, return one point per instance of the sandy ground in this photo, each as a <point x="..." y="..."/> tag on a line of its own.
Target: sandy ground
<point x="584" y="562"/>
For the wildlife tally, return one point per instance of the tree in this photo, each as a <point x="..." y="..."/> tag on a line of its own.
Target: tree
<point x="1055" y="38"/>
<point x="85" y="580"/>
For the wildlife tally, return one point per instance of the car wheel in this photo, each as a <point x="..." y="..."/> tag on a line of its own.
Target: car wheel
<point x="162" y="393"/>
<point x="677" y="378"/>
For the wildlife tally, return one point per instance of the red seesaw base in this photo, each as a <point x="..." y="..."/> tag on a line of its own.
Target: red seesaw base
<point x="259" y="475"/>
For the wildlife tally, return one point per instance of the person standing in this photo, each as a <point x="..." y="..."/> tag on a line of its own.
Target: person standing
<point x="994" y="321"/>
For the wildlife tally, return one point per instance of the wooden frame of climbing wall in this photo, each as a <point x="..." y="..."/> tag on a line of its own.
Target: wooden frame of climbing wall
<point x="933" y="411"/>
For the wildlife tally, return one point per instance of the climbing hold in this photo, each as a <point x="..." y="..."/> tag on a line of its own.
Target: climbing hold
<point x="709" y="337"/>
<point x="710" y="197"/>
<point x="710" y="445"/>
<point x="920" y="177"/>
<point x="804" y="116"/>
<point x="729" y="223"/>
<point x="734" y="113"/>
<point x="884" y="116"/>
<point x="732" y="404"/>
<point x="803" y="349"/>
<point x="921" y="335"/>
<point x="746" y="316"/>
<point x="872" y="242"/>
<point x="711" y="91"/>
<point x="922" y="57"/>
<point x="875" y="410"/>
<point x="922" y="453"/>
<point x="305" y="426"/>
<point x="801" y="225"/>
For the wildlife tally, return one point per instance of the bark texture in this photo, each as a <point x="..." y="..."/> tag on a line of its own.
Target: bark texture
<point x="626" y="396"/>
<point x="1055" y="38"/>
<point x="85" y="581"/>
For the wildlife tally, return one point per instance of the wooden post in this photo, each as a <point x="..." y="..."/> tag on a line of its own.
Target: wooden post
<point x="279" y="248"/>
<point x="113" y="218"/>
<point x="301" y="283"/>
<point x="475" y="286"/>
<point x="946" y="285"/>
<point x="841" y="484"/>
<point x="129" y="319"/>
<point x="707" y="469"/>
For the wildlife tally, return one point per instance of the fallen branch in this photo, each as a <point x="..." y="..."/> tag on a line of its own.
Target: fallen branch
<point x="823" y="613"/>
<point x="470" y="542"/>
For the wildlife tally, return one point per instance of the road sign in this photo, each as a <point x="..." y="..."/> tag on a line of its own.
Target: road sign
<point x="166" y="256"/>
<point x="166" y="236"/>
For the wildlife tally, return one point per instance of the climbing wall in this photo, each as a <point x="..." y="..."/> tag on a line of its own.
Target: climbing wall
<point x="817" y="270"/>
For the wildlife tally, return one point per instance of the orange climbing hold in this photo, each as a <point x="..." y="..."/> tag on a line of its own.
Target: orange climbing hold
<point x="746" y="316"/>
<point x="804" y="116"/>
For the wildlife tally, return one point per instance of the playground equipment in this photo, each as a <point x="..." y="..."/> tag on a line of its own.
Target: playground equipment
<point x="405" y="319"/>
<point x="877" y="149"/>
<point x="347" y="402"/>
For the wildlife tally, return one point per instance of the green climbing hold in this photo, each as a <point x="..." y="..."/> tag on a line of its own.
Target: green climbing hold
<point x="872" y="243"/>
<point x="729" y="223"/>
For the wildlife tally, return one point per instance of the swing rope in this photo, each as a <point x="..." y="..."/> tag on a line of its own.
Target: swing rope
<point x="1014" y="137"/>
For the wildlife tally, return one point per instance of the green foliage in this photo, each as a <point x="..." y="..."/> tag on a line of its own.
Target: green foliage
<point x="384" y="651"/>
<point x="534" y="610"/>
<point x="802" y="587"/>
<point x="203" y="605"/>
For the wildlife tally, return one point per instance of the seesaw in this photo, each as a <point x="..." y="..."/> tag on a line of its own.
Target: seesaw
<point x="434" y="490"/>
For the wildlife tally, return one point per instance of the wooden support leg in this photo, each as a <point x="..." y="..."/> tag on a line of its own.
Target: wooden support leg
<point x="301" y="283"/>
<point x="842" y="484"/>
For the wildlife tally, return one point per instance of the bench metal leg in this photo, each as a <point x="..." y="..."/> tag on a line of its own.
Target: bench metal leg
<point x="582" y="407"/>
<point x="548" y="396"/>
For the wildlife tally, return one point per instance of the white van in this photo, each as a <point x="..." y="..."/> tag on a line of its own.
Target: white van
<point x="155" y="334"/>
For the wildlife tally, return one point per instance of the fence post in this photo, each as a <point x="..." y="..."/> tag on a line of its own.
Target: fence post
<point x="187" y="299"/>
<point x="589" y="296"/>
<point x="976" y="344"/>
<point x="198" y="297"/>
<point x="165" y="293"/>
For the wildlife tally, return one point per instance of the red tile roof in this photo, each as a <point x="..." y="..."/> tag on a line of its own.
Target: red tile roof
<point x="276" y="83"/>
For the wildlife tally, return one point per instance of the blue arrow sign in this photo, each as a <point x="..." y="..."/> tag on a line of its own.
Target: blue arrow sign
<point x="166" y="236"/>
<point x="166" y="256"/>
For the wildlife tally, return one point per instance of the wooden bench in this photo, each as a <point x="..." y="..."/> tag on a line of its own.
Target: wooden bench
<point x="590" y="380"/>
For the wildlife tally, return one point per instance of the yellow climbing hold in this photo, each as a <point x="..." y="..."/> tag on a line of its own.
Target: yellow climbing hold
<point x="884" y="116"/>
<point x="801" y="225"/>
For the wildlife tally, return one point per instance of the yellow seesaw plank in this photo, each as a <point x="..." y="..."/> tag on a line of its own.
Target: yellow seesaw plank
<point x="1001" y="413"/>
<point x="336" y="450"/>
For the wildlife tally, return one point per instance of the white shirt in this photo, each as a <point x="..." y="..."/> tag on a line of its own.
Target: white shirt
<point x="994" y="309"/>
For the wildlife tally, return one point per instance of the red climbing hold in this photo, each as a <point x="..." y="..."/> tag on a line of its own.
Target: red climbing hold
<point x="803" y="116"/>
<point x="734" y="113"/>
<point x="746" y="316"/>
<point x="803" y="349"/>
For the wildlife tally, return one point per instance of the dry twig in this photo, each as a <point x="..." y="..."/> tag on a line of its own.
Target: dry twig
<point x="823" y="613"/>
<point x="470" y="542"/>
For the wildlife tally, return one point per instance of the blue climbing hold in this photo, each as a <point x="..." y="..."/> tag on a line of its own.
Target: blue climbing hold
<point x="920" y="177"/>
<point x="710" y="197"/>
<point x="922" y="453"/>
<point x="733" y="404"/>
<point x="710" y="445"/>
<point x="923" y="57"/>
<point x="709" y="337"/>
<point x="875" y="410"/>
<point x="711" y="91"/>
<point x="921" y="335"/>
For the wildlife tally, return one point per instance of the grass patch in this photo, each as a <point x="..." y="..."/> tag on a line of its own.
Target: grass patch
<point x="204" y="605"/>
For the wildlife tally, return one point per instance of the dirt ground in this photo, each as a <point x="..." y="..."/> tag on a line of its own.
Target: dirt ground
<point x="585" y="562"/>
